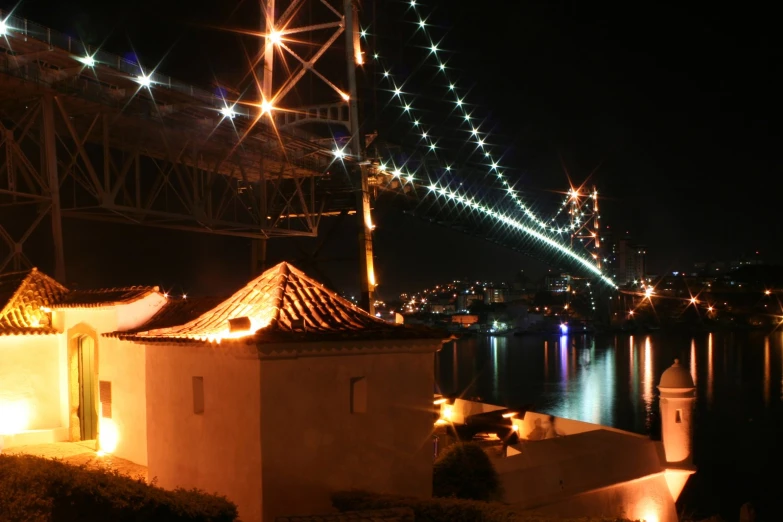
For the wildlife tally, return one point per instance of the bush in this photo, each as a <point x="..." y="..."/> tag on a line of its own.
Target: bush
<point x="426" y="510"/>
<point x="36" y="489"/>
<point x="465" y="471"/>
<point x="445" y="510"/>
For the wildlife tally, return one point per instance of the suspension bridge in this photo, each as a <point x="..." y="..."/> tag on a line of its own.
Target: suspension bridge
<point x="87" y="134"/>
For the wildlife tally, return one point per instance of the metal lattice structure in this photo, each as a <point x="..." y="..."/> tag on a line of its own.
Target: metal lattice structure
<point x="88" y="134"/>
<point x="91" y="135"/>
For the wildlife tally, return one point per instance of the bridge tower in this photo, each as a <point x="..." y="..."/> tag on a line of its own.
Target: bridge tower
<point x="277" y="45"/>
<point x="585" y="222"/>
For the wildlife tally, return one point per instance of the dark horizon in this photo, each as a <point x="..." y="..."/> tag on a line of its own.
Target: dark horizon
<point x="672" y="109"/>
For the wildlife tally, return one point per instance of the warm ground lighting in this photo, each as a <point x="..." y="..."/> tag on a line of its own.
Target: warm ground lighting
<point x="266" y="106"/>
<point x="108" y="437"/>
<point x="648" y="292"/>
<point x="14" y="416"/>
<point x="693" y="300"/>
<point x="767" y="292"/>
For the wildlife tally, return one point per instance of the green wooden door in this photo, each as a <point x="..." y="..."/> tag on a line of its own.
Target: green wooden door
<point x="88" y="414"/>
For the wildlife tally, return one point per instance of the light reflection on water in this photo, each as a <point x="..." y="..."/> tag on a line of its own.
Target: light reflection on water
<point x="766" y="371"/>
<point x="709" y="369"/>
<point x="595" y="379"/>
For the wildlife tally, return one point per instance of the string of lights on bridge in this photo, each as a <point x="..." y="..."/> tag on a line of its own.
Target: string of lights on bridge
<point x="475" y="135"/>
<point x="460" y="198"/>
<point x="479" y="139"/>
<point x="475" y="139"/>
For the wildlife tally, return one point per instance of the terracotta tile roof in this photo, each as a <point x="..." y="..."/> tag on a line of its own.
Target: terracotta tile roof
<point x="281" y="305"/>
<point x="41" y="330"/>
<point x="104" y="296"/>
<point x="25" y="301"/>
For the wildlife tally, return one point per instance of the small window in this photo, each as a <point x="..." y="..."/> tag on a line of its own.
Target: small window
<point x="198" y="395"/>
<point x="678" y="416"/>
<point x="358" y="395"/>
<point x="104" y="387"/>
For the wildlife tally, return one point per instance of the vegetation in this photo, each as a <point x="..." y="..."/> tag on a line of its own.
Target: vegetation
<point x="464" y="471"/>
<point x="444" y="510"/>
<point x="34" y="489"/>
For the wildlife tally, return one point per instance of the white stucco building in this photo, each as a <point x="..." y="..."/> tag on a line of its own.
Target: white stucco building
<point x="59" y="380"/>
<point x="274" y="397"/>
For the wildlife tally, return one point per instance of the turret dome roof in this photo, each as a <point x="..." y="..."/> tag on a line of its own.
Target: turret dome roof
<point x="676" y="376"/>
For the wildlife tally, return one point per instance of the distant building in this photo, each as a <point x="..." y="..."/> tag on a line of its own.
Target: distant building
<point x="465" y="301"/>
<point x="494" y="295"/>
<point x="558" y="283"/>
<point x="442" y="308"/>
<point x="464" y="320"/>
<point x="630" y="262"/>
<point x="715" y="268"/>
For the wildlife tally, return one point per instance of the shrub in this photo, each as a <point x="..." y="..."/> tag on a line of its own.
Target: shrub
<point x="445" y="509"/>
<point x="36" y="489"/>
<point x="426" y="510"/>
<point x="465" y="471"/>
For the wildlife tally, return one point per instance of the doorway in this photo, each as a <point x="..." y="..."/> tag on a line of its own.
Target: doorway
<point x="88" y="413"/>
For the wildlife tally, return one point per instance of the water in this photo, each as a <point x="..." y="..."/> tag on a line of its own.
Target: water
<point x="611" y="380"/>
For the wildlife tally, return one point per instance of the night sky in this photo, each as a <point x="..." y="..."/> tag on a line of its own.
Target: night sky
<point x="675" y="109"/>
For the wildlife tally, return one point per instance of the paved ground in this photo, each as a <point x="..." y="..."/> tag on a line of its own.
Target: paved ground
<point x="81" y="454"/>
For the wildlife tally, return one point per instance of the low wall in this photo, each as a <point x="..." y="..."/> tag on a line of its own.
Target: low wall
<point x="457" y="412"/>
<point x="461" y="409"/>
<point x="562" y="426"/>
<point x="645" y="499"/>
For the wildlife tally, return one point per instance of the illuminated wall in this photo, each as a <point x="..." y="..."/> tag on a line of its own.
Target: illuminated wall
<point x="646" y="500"/>
<point x="203" y="420"/>
<point x="123" y="422"/>
<point x="313" y="444"/>
<point x="594" y="473"/>
<point x="29" y="384"/>
<point x="278" y="436"/>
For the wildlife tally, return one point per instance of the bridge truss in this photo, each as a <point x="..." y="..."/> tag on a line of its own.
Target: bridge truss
<point x="87" y="134"/>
